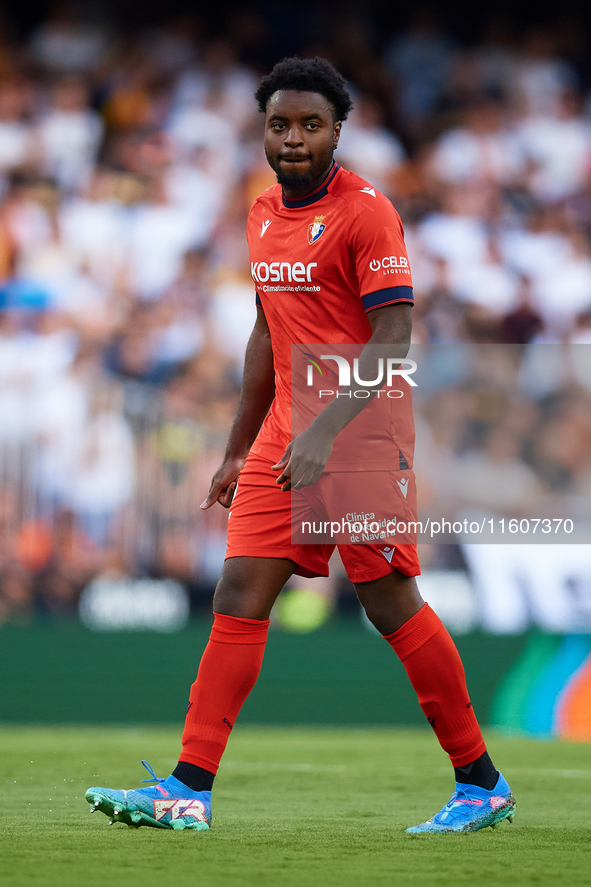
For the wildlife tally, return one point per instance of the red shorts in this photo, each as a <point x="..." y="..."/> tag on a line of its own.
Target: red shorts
<point x="260" y="525"/>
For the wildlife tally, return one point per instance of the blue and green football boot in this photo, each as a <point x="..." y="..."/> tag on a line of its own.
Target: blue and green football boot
<point x="168" y="804"/>
<point x="471" y="808"/>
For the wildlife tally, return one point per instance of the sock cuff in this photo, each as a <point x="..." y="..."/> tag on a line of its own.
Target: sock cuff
<point x="201" y="761"/>
<point x="411" y="636"/>
<point x="232" y="630"/>
<point x="476" y="749"/>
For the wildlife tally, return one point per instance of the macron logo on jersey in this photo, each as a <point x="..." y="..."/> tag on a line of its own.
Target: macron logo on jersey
<point x="368" y="190"/>
<point x="387" y="552"/>
<point x="403" y="485"/>
<point x="265" y="226"/>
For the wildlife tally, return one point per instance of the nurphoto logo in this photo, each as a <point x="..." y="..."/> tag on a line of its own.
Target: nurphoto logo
<point x="387" y="370"/>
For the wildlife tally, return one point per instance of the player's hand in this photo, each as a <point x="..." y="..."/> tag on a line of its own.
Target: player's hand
<point x="223" y="485"/>
<point x="304" y="460"/>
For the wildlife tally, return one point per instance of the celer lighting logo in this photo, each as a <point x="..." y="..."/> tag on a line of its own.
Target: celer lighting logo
<point x="390" y="265"/>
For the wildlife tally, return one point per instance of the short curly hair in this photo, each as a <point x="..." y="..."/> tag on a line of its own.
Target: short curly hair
<point x="306" y="75"/>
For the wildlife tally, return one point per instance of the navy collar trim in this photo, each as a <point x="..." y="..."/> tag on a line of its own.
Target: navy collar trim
<point x="318" y="194"/>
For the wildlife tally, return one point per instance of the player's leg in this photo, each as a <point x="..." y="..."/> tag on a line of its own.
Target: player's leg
<point x="423" y="644"/>
<point x="417" y="635"/>
<point x="231" y="662"/>
<point x="260" y="559"/>
<point x="229" y="667"/>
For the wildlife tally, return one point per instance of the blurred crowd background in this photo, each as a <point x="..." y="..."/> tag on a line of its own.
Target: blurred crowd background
<point x="130" y="153"/>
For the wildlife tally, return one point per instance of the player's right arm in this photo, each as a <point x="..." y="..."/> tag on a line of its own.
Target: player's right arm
<point x="256" y="397"/>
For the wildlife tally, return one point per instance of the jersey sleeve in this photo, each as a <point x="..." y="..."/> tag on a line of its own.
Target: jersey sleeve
<point x="249" y="230"/>
<point x="379" y="254"/>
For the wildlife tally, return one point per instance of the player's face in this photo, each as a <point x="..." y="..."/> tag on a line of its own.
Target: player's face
<point x="300" y="138"/>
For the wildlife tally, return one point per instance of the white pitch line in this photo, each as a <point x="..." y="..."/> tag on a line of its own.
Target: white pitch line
<point x="547" y="771"/>
<point x="304" y="768"/>
<point x="340" y="768"/>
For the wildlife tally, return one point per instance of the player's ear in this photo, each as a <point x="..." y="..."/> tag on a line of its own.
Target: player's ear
<point x="336" y="134"/>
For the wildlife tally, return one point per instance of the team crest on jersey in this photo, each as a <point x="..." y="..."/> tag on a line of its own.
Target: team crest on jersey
<point x="316" y="229"/>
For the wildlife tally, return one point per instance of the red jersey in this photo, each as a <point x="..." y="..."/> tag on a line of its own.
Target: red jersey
<point x="319" y="265"/>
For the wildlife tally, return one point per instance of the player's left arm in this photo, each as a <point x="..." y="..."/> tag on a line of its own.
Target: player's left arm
<point x="305" y="457"/>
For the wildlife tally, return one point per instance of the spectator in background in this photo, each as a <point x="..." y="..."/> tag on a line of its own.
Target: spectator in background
<point x="16" y="595"/>
<point x="541" y="78"/>
<point x="160" y="233"/>
<point x="368" y="147"/>
<point x="172" y="46"/>
<point x="232" y="314"/>
<point x="104" y="468"/>
<point x="496" y="478"/>
<point x="73" y="559"/>
<point x="220" y="80"/>
<point x="191" y="291"/>
<point x="69" y="135"/>
<point x="65" y="42"/>
<point x="496" y="57"/>
<point x="523" y="323"/>
<point x="460" y="236"/>
<point x="131" y="100"/>
<point x="564" y="292"/>
<point x="581" y="334"/>
<point x="484" y="149"/>
<point x="16" y="141"/>
<point x="419" y="61"/>
<point x="558" y="145"/>
<point x="94" y="227"/>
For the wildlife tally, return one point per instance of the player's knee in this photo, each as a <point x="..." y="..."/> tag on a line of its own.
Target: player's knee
<point x="230" y="592"/>
<point x="390" y="601"/>
<point x="239" y="594"/>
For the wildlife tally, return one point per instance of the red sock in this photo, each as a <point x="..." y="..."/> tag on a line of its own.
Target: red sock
<point x="435" y="669"/>
<point x="227" y="673"/>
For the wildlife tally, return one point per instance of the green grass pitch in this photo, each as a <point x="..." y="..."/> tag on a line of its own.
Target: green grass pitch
<point x="312" y="808"/>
